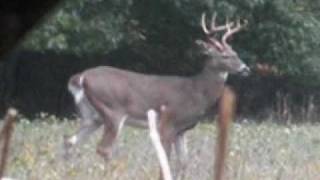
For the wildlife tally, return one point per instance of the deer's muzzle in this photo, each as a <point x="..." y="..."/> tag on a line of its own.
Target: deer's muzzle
<point x="244" y="70"/>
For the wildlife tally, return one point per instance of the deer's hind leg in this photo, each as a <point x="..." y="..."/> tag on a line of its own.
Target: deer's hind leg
<point x="112" y="120"/>
<point x="89" y="123"/>
<point x="113" y="123"/>
<point x="181" y="150"/>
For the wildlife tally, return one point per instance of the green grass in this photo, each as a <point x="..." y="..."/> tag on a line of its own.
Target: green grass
<point x="256" y="152"/>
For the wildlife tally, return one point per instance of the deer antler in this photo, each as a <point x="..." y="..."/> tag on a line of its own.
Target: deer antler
<point x="231" y="31"/>
<point x="203" y="24"/>
<point x="213" y="27"/>
<point x="213" y="30"/>
<point x="231" y="28"/>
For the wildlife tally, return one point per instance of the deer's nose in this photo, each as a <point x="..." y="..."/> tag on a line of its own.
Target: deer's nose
<point x="244" y="70"/>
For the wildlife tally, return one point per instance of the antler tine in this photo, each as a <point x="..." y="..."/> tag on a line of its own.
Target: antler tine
<point x="213" y="20"/>
<point x="218" y="28"/>
<point x="213" y="27"/>
<point x="212" y="30"/>
<point x="231" y="31"/>
<point x="203" y="24"/>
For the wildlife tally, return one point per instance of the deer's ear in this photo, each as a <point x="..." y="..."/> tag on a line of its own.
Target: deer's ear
<point x="209" y="45"/>
<point x="202" y="43"/>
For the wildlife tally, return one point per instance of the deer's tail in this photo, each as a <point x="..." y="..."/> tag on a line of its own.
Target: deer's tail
<point x="75" y="86"/>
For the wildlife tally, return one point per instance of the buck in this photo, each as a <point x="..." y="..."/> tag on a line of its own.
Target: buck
<point x="108" y="96"/>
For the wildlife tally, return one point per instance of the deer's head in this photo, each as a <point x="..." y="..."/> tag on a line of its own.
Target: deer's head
<point x="221" y="55"/>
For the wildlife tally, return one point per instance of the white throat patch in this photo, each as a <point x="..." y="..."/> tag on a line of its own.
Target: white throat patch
<point x="224" y="75"/>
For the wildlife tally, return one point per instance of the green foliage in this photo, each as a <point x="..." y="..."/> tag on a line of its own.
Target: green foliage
<point x="80" y="26"/>
<point x="283" y="33"/>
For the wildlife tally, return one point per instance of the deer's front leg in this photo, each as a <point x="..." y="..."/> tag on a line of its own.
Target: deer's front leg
<point x="168" y="133"/>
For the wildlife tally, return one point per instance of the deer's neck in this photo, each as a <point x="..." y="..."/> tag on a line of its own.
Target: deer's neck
<point x="212" y="76"/>
<point x="210" y="82"/>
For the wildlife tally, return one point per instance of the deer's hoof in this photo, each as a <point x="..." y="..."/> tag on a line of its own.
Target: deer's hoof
<point x="106" y="154"/>
<point x="66" y="154"/>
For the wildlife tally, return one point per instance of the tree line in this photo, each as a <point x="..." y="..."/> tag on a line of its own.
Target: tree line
<point x="280" y="42"/>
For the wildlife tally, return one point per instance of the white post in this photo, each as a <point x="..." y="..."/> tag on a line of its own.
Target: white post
<point x="155" y="137"/>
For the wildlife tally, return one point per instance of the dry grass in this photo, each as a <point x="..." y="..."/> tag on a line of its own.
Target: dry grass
<point x="257" y="152"/>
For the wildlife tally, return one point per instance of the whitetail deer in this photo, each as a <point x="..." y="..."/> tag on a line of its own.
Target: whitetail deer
<point x="109" y="96"/>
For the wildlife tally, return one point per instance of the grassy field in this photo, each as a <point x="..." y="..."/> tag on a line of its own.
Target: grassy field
<point x="256" y="152"/>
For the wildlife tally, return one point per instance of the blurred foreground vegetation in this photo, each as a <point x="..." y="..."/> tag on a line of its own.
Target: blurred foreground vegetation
<point x="256" y="152"/>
